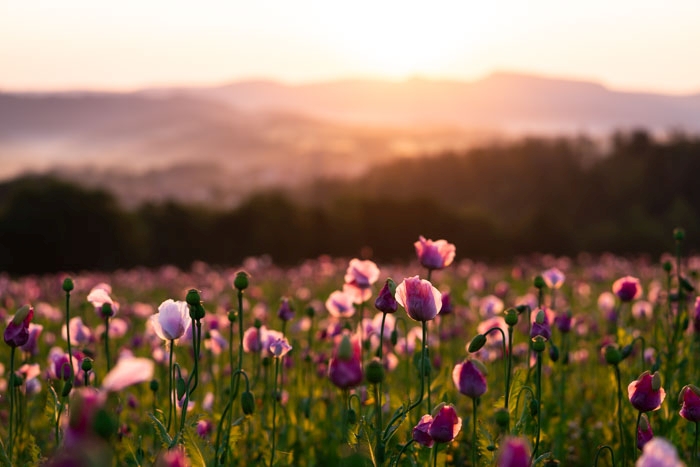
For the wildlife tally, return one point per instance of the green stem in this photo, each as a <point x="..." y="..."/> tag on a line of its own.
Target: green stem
<point x="509" y="369"/>
<point x="170" y="385"/>
<point x="435" y="453"/>
<point x="11" y="390"/>
<point x="695" y="446"/>
<point x="601" y="449"/>
<point x="475" y="403"/>
<point x="636" y="431"/>
<point x="619" y="414"/>
<point x="70" y="353"/>
<point x="274" y="411"/>
<point x="539" y="405"/>
<point x="403" y="449"/>
<point x="109" y="364"/>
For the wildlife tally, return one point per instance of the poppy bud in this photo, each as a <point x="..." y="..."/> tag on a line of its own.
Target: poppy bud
<point x="626" y="351"/>
<point x="553" y="352"/>
<point x="477" y="343"/>
<point x="310" y="311"/>
<point x="511" y="317"/>
<point x="180" y="387"/>
<point x="345" y="350"/>
<point x="154" y="385"/>
<point x="375" y="371"/>
<point x="106" y="310"/>
<point x="386" y="302"/>
<point x="612" y="354"/>
<point x="86" y="364"/>
<point x="16" y="380"/>
<point x="667" y="266"/>
<point x="538" y="343"/>
<point x="68" y="284"/>
<point x="193" y="297"/>
<point x="539" y="282"/>
<point x="352" y="416"/>
<point x="241" y="281"/>
<point x="502" y="418"/>
<point x="248" y="402"/>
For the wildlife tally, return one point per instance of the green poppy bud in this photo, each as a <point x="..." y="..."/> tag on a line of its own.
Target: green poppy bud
<point x="612" y="354"/>
<point x="539" y="282"/>
<point x="68" y="284"/>
<point x="678" y="234"/>
<point x="538" y="344"/>
<point x="502" y="418"/>
<point x="241" y="281"/>
<point x="477" y="343"/>
<point x="511" y="317"/>
<point x="154" y="385"/>
<point x="375" y="372"/>
<point x="248" y="402"/>
<point x="193" y="297"/>
<point x="667" y="266"/>
<point x="86" y="364"/>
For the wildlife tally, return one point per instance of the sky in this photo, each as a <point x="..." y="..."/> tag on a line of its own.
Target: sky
<point x="130" y="44"/>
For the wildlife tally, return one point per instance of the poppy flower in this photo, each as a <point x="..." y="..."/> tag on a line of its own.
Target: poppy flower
<point x="646" y="393"/>
<point x="434" y="254"/>
<point x="421" y="300"/>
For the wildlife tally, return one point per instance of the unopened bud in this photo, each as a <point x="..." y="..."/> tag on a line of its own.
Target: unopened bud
<point x="511" y="317"/>
<point x="154" y="385"/>
<point x="678" y="234"/>
<point x="502" y="418"/>
<point x="193" y="297"/>
<point x="553" y="352"/>
<point x="667" y="266"/>
<point x="345" y="348"/>
<point x="375" y="371"/>
<point x="248" y="402"/>
<point x="644" y="422"/>
<point x="241" y="281"/>
<point x="626" y="351"/>
<point x="612" y="354"/>
<point x="68" y="284"/>
<point x="538" y="343"/>
<point x="477" y="343"/>
<point x="539" y="282"/>
<point x="232" y="316"/>
<point x="86" y="364"/>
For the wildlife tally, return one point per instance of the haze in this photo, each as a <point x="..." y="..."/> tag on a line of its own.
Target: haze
<point x="80" y="44"/>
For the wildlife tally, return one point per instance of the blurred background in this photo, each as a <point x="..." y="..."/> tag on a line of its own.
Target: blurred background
<point x="149" y="133"/>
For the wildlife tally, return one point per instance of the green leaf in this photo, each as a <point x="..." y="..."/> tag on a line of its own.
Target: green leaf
<point x="52" y="404"/>
<point x="165" y="438"/>
<point x="193" y="452"/>
<point x="542" y="457"/>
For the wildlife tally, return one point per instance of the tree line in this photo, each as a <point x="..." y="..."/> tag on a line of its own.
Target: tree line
<point x="560" y="196"/>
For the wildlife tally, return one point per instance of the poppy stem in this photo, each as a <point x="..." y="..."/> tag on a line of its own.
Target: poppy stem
<point x="619" y="414"/>
<point x="475" y="403"/>
<point x="12" y="401"/>
<point x="636" y="431"/>
<point x="601" y="449"/>
<point x="274" y="410"/>
<point x="109" y="365"/>
<point x="435" y="453"/>
<point x="539" y="405"/>
<point x="170" y="384"/>
<point x="695" y="447"/>
<point x="70" y="354"/>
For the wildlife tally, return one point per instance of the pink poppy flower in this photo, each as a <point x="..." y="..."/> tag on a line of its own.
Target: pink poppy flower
<point x="99" y="296"/>
<point x="361" y="274"/>
<point x="421" y="432"/>
<point x="646" y="393"/>
<point x="279" y="347"/>
<point x="434" y="254"/>
<point x="79" y="333"/>
<point x="644" y="432"/>
<point x="127" y="372"/>
<point x="345" y="368"/>
<point x="340" y="304"/>
<point x="659" y="453"/>
<point x="172" y="320"/>
<point x="421" y="300"/>
<point x="554" y="278"/>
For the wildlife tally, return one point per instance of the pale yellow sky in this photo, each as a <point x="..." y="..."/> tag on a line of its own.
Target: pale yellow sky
<point x="129" y="44"/>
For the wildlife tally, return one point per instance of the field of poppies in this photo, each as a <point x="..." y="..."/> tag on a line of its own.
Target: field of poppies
<point x="444" y="361"/>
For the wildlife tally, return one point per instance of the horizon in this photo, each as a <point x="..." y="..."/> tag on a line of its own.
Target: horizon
<point x="82" y="46"/>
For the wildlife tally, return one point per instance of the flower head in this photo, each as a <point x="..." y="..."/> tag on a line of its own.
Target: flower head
<point x="690" y="410"/>
<point x="659" y="453"/>
<point x="627" y="288"/>
<point x="286" y="310"/>
<point x="514" y="452"/>
<point x="127" y="372"/>
<point x="345" y="368"/>
<point x="361" y="274"/>
<point x="644" y="432"/>
<point x="100" y="298"/>
<point x="554" y="278"/>
<point x="434" y="254"/>
<point x="470" y="378"/>
<point x="385" y="302"/>
<point x="421" y="432"/>
<point x="17" y="330"/>
<point x="445" y="425"/>
<point x="421" y="300"/>
<point x="340" y="304"/>
<point x="280" y="347"/>
<point x="646" y="393"/>
<point x="172" y="320"/>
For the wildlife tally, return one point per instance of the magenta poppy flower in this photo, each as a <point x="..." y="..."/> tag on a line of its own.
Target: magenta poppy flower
<point x="434" y="254"/>
<point x="17" y="330"/>
<point x="32" y="343"/>
<point x="690" y="410"/>
<point x="421" y="300"/>
<point x="80" y="334"/>
<point x="445" y="425"/>
<point x="385" y="302"/>
<point x="285" y="311"/>
<point x="540" y="327"/>
<point x="172" y="458"/>
<point x="514" y="452"/>
<point x="345" y="368"/>
<point x="644" y="432"/>
<point x="279" y="347"/>
<point x="85" y="403"/>
<point x="421" y="432"/>
<point x="361" y="274"/>
<point x="646" y="393"/>
<point x="627" y="288"/>
<point x="470" y="378"/>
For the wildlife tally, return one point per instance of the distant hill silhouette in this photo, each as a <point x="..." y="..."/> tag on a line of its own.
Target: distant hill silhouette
<point x="238" y="138"/>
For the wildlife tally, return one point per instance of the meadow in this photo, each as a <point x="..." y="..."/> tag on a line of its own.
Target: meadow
<point x="545" y="360"/>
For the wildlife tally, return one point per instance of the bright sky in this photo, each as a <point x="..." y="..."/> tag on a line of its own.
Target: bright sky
<point x="127" y="44"/>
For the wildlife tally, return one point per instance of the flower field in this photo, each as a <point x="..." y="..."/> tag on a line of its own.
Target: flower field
<point x="443" y="361"/>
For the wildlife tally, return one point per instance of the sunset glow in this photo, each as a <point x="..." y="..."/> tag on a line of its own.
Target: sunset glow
<point x="641" y="45"/>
